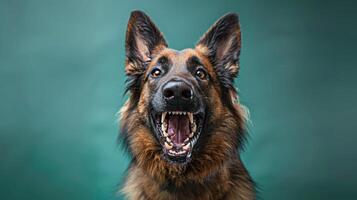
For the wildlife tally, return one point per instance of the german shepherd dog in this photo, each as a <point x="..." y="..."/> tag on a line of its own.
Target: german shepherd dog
<point x="183" y="124"/>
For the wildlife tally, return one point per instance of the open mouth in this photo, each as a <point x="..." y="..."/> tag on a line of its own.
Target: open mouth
<point x="178" y="133"/>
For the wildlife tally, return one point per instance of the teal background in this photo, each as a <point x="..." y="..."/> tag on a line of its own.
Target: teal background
<point x="62" y="81"/>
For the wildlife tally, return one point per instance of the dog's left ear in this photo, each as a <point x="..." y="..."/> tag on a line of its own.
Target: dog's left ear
<point x="222" y="44"/>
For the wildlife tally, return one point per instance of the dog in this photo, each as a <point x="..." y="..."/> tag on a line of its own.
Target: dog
<point x="183" y="124"/>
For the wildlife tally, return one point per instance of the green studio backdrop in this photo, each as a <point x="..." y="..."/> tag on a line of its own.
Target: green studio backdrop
<point x="62" y="82"/>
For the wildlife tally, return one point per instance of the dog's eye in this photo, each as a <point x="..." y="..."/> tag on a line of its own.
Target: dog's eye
<point x="200" y="73"/>
<point x="156" y="72"/>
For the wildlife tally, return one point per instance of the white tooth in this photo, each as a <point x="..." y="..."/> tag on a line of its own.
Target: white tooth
<point x="186" y="140"/>
<point x="165" y="134"/>
<point x="186" y="147"/>
<point x="167" y="146"/>
<point x="168" y="139"/>
<point x="172" y="151"/>
<point x="191" y="135"/>
<point x="190" y="115"/>
<point x="189" y="154"/>
<point x="163" y="115"/>
<point x="184" y="113"/>
<point x="193" y="127"/>
<point x="164" y="127"/>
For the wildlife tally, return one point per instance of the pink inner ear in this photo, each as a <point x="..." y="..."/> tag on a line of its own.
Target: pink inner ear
<point x="142" y="49"/>
<point x="223" y="47"/>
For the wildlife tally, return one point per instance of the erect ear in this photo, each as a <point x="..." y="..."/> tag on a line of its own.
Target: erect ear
<point x="143" y="39"/>
<point x="221" y="44"/>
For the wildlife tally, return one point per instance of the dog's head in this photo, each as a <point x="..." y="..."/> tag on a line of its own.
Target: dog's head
<point x="183" y="106"/>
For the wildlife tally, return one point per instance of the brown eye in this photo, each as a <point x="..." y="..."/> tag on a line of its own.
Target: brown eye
<point x="201" y="74"/>
<point x="156" y="72"/>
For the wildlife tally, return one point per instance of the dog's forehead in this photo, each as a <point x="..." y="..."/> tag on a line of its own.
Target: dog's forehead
<point x="178" y="57"/>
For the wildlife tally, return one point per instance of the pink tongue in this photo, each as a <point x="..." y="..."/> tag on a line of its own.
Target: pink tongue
<point x="178" y="128"/>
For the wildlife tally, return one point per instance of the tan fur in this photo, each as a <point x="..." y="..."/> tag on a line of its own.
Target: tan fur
<point x="216" y="171"/>
<point x="215" y="162"/>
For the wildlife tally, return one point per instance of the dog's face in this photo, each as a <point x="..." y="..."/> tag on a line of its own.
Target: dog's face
<point x="179" y="84"/>
<point x="182" y="104"/>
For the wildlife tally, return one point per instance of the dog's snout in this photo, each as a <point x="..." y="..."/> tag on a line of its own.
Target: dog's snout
<point x="177" y="92"/>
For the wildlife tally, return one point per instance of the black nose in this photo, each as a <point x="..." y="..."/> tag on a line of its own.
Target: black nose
<point x="177" y="92"/>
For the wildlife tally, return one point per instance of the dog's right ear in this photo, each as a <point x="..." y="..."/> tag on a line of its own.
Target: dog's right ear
<point x="143" y="40"/>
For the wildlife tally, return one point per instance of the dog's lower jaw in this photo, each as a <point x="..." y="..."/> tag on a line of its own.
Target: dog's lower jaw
<point x="234" y="184"/>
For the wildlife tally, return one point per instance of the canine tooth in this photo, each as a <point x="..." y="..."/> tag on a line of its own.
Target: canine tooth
<point x="167" y="146"/>
<point x="163" y="115"/>
<point x="164" y="127"/>
<point x="193" y="127"/>
<point x="186" y="147"/>
<point x="190" y="115"/>
<point x="186" y="140"/>
<point x="191" y="135"/>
